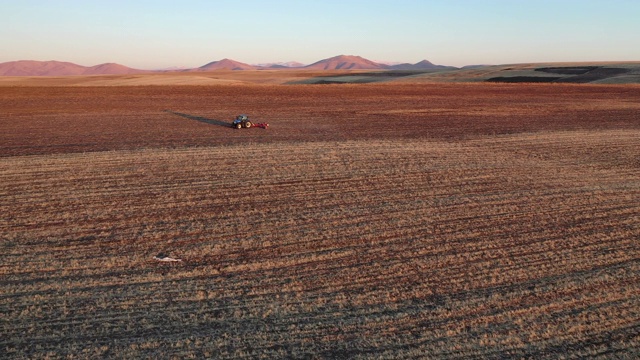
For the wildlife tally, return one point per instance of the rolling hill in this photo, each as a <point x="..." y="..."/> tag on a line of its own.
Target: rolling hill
<point x="111" y="69"/>
<point x="577" y="73"/>
<point x="227" y="64"/>
<point x="346" y="62"/>
<point x="59" y="68"/>
<point x="40" y="68"/>
<point x="422" y="65"/>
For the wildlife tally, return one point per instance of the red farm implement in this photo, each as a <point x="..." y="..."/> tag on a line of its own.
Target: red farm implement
<point x="242" y="121"/>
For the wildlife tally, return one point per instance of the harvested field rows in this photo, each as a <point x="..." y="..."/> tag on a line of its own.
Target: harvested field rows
<point x="518" y="245"/>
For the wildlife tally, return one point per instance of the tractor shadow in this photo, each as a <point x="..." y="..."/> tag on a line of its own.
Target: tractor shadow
<point x="200" y="119"/>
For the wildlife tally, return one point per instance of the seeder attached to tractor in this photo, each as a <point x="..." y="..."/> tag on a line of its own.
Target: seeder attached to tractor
<point x="242" y="121"/>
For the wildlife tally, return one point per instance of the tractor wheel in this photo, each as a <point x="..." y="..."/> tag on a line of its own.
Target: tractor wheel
<point x="248" y="124"/>
<point x="238" y="126"/>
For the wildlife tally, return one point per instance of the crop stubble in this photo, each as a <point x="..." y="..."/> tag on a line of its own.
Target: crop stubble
<point x="351" y="228"/>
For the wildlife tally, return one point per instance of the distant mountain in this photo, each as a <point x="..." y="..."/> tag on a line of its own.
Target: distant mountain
<point x="280" y="65"/>
<point x="111" y="69"/>
<point x="40" y="68"/>
<point x="59" y="68"/>
<point x="468" y="67"/>
<point x="227" y="64"/>
<point x="422" y="65"/>
<point x="346" y="62"/>
<point x="341" y="62"/>
<point x="389" y="63"/>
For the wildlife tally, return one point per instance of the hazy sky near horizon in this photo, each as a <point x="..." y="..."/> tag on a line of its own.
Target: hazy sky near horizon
<point x="154" y="34"/>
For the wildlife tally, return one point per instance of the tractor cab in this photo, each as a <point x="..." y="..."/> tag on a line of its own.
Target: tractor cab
<point x="242" y="121"/>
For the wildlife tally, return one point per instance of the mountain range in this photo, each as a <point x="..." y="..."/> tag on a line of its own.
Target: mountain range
<point x="340" y="62"/>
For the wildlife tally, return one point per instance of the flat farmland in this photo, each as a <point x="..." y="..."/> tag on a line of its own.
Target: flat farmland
<point x="45" y="120"/>
<point x="369" y="221"/>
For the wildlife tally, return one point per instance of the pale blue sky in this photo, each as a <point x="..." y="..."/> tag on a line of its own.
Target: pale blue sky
<point x="153" y="34"/>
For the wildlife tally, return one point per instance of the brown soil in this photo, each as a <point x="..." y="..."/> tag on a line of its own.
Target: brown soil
<point x="42" y="120"/>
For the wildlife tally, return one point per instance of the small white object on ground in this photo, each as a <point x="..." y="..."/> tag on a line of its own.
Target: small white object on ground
<point x="165" y="258"/>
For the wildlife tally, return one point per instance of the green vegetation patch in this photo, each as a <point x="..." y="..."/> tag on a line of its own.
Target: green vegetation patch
<point x="362" y="77"/>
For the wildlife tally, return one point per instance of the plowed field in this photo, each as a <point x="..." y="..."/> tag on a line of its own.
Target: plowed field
<point x="368" y="221"/>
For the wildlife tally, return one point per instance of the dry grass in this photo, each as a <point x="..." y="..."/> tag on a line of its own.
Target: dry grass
<point x="175" y="78"/>
<point x="515" y="245"/>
